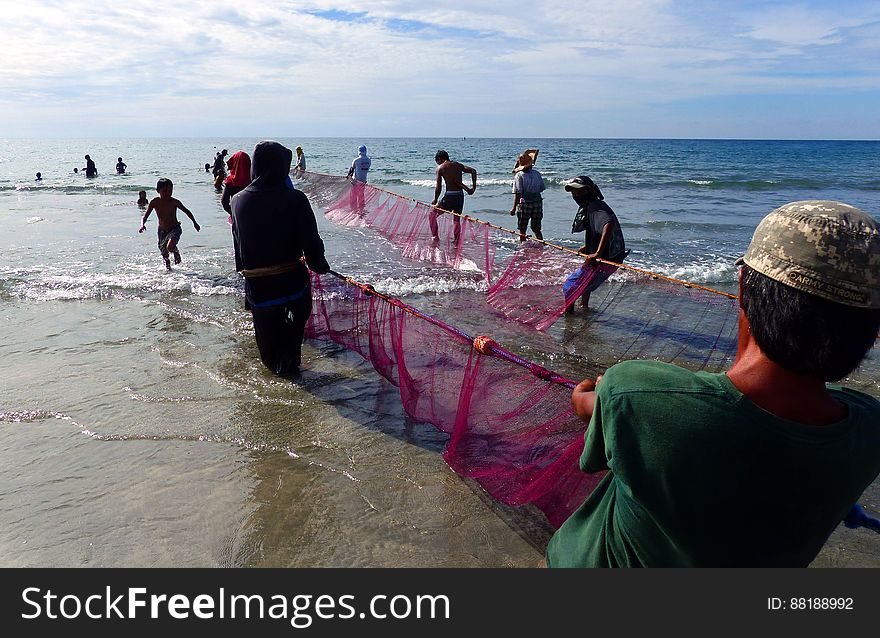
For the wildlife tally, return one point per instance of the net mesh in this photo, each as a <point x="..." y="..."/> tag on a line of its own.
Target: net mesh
<point x="423" y="232"/>
<point x="510" y="422"/>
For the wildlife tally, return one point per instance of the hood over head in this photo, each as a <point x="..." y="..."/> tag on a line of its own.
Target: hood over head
<point x="239" y="169"/>
<point x="271" y="164"/>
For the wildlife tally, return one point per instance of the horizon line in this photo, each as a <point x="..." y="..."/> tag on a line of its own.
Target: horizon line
<point x="462" y="138"/>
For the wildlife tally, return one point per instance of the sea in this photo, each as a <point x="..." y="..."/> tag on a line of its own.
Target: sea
<point x="138" y="427"/>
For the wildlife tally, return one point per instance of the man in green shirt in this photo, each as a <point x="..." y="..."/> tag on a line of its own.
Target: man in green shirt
<point x="758" y="465"/>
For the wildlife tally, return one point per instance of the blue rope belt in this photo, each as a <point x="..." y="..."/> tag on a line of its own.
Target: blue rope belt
<point x="280" y="300"/>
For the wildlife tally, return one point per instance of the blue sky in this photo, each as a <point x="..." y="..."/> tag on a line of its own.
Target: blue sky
<point x="557" y="68"/>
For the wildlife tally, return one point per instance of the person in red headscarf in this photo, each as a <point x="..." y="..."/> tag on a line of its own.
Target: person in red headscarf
<point x="239" y="177"/>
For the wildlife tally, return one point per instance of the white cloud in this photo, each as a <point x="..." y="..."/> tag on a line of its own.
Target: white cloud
<point x="403" y="66"/>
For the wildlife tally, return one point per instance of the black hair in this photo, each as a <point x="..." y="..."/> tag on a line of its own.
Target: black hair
<point x="162" y="183"/>
<point x="593" y="191"/>
<point x="441" y="155"/>
<point x="804" y="333"/>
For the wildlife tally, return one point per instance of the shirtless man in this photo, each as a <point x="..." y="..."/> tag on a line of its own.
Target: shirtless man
<point x="451" y="173"/>
<point x="169" y="228"/>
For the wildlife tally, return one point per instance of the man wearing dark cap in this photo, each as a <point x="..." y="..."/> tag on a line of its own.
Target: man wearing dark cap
<point x="758" y="465"/>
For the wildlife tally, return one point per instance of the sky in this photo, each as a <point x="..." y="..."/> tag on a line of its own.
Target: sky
<point x="558" y="68"/>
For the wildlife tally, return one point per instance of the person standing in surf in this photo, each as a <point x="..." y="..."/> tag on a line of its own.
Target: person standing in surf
<point x="276" y="242"/>
<point x="300" y="166"/>
<point x="603" y="240"/>
<point x="169" y="228"/>
<point x="528" y="205"/>
<point x="358" y="171"/>
<point x="239" y="165"/>
<point x="450" y="173"/>
<point x="90" y="169"/>
<point x="219" y="169"/>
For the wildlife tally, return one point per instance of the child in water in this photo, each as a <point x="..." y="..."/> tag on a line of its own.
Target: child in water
<point x="169" y="228"/>
<point x="142" y="198"/>
<point x="120" y="166"/>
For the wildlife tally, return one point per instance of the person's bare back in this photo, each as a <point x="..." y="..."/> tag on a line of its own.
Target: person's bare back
<point x="451" y="172"/>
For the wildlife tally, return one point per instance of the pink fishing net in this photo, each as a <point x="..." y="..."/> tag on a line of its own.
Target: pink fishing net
<point x="540" y="282"/>
<point x="321" y="189"/>
<point x="422" y="231"/>
<point x="510" y="422"/>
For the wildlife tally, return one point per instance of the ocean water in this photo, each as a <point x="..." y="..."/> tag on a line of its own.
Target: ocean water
<point x="138" y="428"/>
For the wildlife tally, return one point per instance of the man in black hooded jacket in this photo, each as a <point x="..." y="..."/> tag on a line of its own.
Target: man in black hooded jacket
<point x="274" y="227"/>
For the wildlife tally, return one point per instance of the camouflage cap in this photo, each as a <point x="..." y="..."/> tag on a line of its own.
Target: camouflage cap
<point x="824" y="248"/>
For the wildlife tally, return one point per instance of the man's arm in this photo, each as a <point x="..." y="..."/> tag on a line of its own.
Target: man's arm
<point x="351" y="169"/>
<point x="595" y="456"/>
<point x="188" y="214"/>
<point x="473" y="174"/>
<point x="583" y="398"/>
<point x="603" y="241"/>
<point x="144" y="219"/>
<point x="438" y="186"/>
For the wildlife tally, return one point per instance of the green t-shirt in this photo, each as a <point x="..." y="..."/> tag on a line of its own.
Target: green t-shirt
<point x="701" y="476"/>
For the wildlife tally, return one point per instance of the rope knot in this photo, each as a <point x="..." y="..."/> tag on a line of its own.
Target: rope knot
<point x="484" y="344"/>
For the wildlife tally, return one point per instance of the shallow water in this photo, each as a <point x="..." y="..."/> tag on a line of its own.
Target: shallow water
<point x="137" y="426"/>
